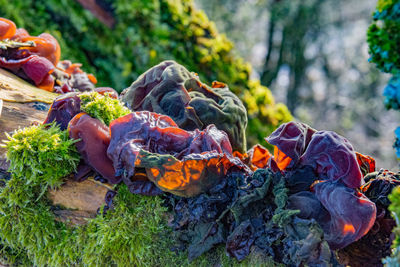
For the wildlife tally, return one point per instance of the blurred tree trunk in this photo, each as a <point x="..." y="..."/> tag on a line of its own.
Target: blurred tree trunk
<point x="295" y="32"/>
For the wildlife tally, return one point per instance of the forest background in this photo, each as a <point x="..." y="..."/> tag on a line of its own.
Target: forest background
<point x="313" y="56"/>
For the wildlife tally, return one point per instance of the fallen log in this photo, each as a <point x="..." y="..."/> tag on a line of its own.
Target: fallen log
<point x="23" y="104"/>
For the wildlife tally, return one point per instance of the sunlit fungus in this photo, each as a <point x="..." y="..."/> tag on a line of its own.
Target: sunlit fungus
<point x="93" y="139"/>
<point x="170" y="89"/>
<point x="179" y="161"/>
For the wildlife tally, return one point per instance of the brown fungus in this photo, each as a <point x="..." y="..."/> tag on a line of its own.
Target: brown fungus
<point x="94" y="140"/>
<point x="63" y="109"/>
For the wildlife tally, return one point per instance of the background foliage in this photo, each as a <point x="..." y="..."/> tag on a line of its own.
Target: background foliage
<point x="145" y="33"/>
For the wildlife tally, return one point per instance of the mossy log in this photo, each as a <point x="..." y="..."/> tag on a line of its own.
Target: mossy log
<point x="21" y="105"/>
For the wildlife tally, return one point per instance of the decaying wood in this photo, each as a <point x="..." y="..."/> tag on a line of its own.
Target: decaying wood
<point x="24" y="104"/>
<point x="16" y="115"/>
<point x="73" y="217"/>
<point x="14" y="89"/>
<point x="80" y="200"/>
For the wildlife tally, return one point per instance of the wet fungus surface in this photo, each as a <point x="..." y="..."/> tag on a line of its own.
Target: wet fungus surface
<point x="32" y="58"/>
<point x="37" y="60"/>
<point x="170" y="89"/>
<point x="63" y="109"/>
<point x="183" y="162"/>
<point x="334" y="179"/>
<point x="94" y="139"/>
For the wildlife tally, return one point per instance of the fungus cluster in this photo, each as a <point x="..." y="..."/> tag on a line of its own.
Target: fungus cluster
<point x="297" y="205"/>
<point x="37" y="60"/>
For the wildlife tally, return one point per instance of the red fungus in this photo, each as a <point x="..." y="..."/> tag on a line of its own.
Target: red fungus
<point x="331" y="155"/>
<point x="36" y="62"/>
<point x="45" y="46"/>
<point x="170" y="89"/>
<point x="63" y="109"/>
<point x="347" y="215"/>
<point x="94" y="139"/>
<point x="178" y="161"/>
<point x="188" y="177"/>
<point x="19" y="34"/>
<point x="39" y="69"/>
<point x="366" y="163"/>
<point x="7" y="28"/>
<point x="70" y="74"/>
<point x="351" y="213"/>
<point x="291" y="139"/>
<point x="259" y="157"/>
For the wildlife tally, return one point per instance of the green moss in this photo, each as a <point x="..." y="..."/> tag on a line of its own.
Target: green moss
<point x="134" y="233"/>
<point x="41" y="155"/>
<point x="101" y="107"/>
<point x="384" y="4"/>
<point x="147" y="32"/>
<point x="218" y="257"/>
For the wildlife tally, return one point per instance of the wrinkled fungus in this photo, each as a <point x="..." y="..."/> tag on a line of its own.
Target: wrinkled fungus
<point x="94" y="139"/>
<point x="178" y="161"/>
<point x="69" y="75"/>
<point x="107" y="90"/>
<point x="259" y="157"/>
<point x="32" y="58"/>
<point x="37" y="60"/>
<point x="39" y="69"/>
<point x="170" y="89"/>
<point x="63" y="109"/>
<point x="306" y="156"/>
<point x="331" y="155"/>
<point x="366" y="163"/>
<point x="352" y="214"/>
<point x="373" y="247"/>
<point x="45" y="46"/>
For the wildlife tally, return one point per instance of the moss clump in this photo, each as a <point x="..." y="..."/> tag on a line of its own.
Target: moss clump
<point x="102" y="107"/>
<point x="41" y="154"/>
<point x="134" y="233"/>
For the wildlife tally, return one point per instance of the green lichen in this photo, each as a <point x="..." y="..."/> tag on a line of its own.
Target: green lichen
<point x="102" y="107"/>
